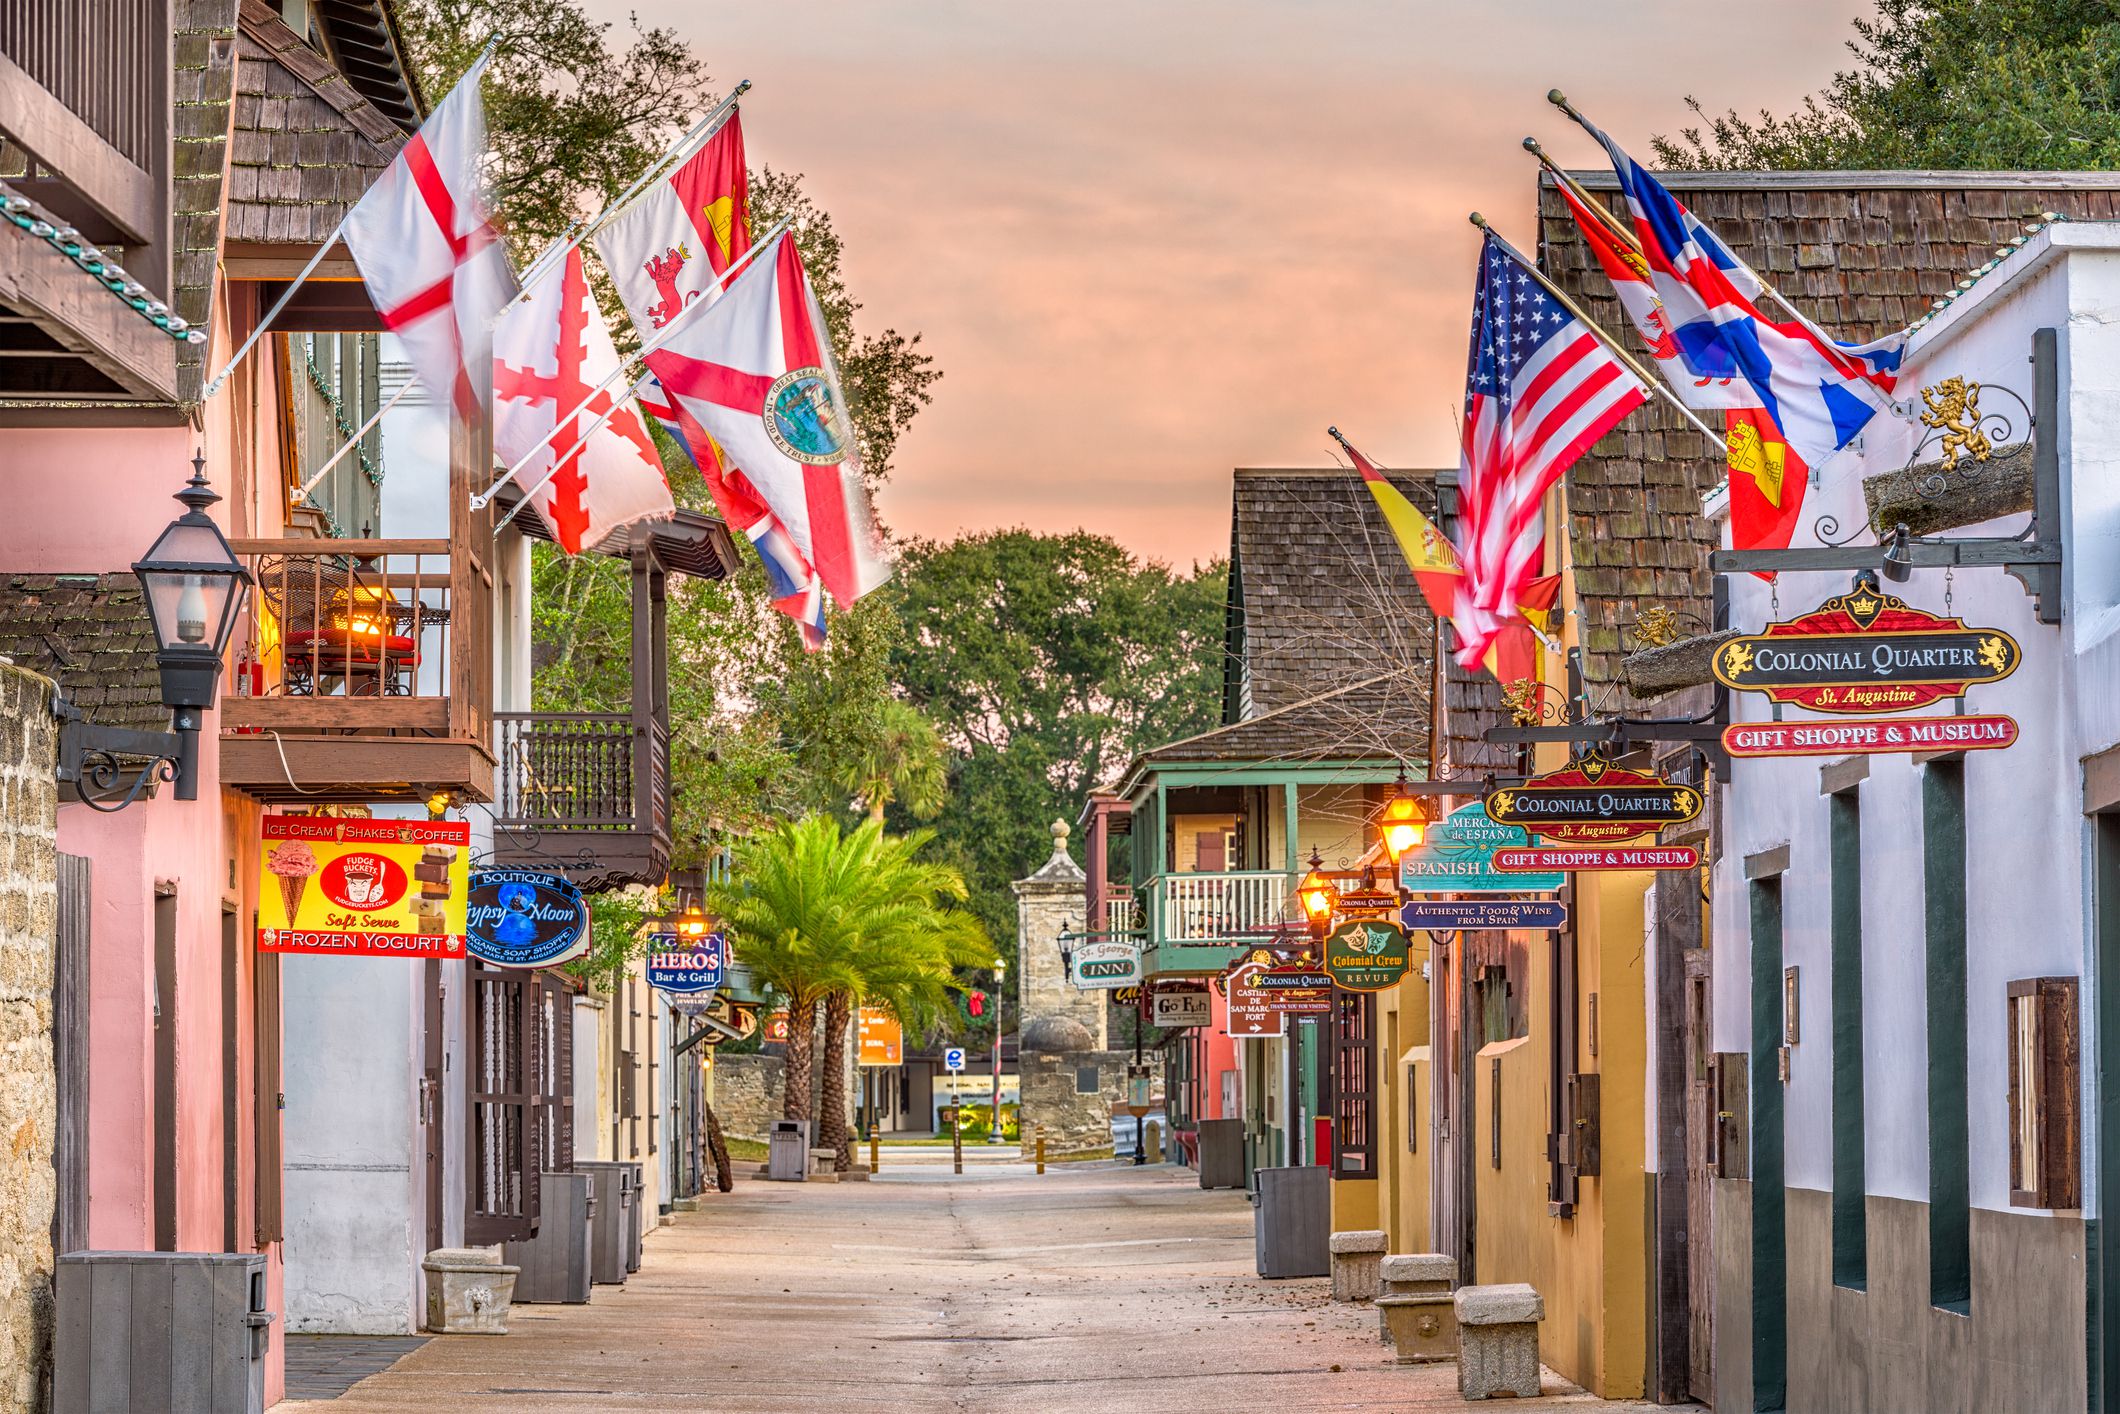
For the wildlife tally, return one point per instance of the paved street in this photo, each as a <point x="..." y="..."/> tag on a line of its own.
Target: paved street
<point x="1084" y="1290"/>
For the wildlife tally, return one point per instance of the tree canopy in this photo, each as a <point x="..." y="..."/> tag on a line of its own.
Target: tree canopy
<point x="1047" y="661"/>
<point x="1983" y="84"/>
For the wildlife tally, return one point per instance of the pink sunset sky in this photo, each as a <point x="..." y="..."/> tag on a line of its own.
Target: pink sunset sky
<point x="1149" y="242"/>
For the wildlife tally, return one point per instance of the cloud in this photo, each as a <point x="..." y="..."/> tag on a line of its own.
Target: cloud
<point x="1148" y="243"/>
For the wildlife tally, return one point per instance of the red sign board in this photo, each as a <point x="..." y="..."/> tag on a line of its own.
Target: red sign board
<point x="1568" y="861"/>
<point x="1869" y="738"/>
<point x="1592" y="801"/>
<point x="1866" y="652"/>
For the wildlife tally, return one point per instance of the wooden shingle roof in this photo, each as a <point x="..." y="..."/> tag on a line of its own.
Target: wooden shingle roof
<point x="304" y="143"/>
<point x="1384" y="717"/>
<point x="1320" y="596"/>
<point x="1862" y="253"/>
<point x="90" y="633"/>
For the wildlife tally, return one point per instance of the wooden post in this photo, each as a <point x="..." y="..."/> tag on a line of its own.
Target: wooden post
<point x="1041" y="1148"/>
<point x="949" y="1115"/>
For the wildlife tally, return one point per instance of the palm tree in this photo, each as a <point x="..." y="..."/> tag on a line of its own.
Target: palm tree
<point x="826" y="916"/>
<point x="900" y="759"/>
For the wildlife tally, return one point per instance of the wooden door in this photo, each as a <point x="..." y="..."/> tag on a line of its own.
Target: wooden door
<point x="504" y="1129"/>
<point x="1701" y="1137"/>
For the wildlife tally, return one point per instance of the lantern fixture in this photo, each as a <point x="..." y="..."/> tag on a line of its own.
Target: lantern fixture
<point x="1404" y="823"/>
<point x="692" y="923"/>
<point x="1318" y="896"/>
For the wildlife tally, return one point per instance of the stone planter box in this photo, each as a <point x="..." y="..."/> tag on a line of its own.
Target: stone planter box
<point x="469" y="1291"/>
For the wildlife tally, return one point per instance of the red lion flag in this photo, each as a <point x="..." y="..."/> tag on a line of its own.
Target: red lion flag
<point x="549" y="350"/>
<point x="433" y="263"/>
<point x="666" y="247"/>
<point x="755" y="377"/>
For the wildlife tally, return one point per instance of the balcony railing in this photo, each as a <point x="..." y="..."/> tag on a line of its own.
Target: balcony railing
<point x="371" y="660"/>
<point x="584" y="792"/>
<point x="1223" y="909"/>
<point x="1119" y="914"/>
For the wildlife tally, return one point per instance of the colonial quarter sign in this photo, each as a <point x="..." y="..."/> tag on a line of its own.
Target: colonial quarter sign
<point x="1866" y="652"/>
<point x="1592" y="801"/>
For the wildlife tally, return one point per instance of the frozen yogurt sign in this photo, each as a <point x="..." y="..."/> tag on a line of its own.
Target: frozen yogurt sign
<point x="362" y="888"/>
<point x="521" y="918"/>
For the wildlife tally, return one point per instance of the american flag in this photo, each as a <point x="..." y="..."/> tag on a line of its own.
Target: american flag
<point x="1539" y="389"/>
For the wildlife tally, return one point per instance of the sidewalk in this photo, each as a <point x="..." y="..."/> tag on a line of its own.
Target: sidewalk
<point x="1079" y="1292"/>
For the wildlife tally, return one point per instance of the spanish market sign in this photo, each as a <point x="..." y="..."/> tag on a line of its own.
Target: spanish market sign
<point x="1104" y="964"/>
<point x="522" y="918"/>
<point x="1545" y="915"/>
<point x="1866" y="651"/>
<point x="363" y="888"/>
<point x="1870" y="738"/>
<point x="1592" y="801"/>
<point x="686" y="965"/>
<point x="1458" y="858"/>
<point x="1575" y="860"/>
<point x="1179" y="1004"/>
<point x="1366" y="955"/>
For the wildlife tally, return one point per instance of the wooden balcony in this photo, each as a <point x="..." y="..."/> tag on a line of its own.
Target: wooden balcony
<point x="373" y="661"/>
<point x="1201" y="923"/>
<point x="583" y="793"/>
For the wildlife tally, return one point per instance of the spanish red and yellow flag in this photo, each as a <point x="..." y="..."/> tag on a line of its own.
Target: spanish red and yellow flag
<point x="1767" y="481"/>
<point x="1434" y="561"/>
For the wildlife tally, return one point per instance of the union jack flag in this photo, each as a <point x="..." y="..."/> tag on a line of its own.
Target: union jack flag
<point x="1540" y="388"/>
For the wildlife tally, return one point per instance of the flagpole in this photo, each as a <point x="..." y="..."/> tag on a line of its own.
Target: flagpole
<point x="1653" y="381"/>
<point x="295" y="496"/>
<point x="485" y="498"/>
<point x="580" y="442"/>
<point x="1560" y="101"/>
<point x="715" y="119"/>
<point x="1596" y="208"/>
<point x="221" y="378"/>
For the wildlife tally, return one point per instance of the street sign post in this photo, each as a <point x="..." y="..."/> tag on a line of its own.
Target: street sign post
<point x="953" y="1060"/>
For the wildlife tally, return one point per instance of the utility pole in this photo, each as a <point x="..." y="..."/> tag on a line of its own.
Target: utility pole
<point x="993" y="1130"/>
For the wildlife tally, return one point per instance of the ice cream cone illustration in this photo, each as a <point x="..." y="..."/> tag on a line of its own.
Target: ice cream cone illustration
<point x="292" y="863"/>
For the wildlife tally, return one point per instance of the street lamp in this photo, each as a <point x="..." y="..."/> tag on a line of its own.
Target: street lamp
<point x="1318" y="896"/>
<point x="693" y="922"/>
<point x="1404" y="823"/>
<point x="194" y="587"/>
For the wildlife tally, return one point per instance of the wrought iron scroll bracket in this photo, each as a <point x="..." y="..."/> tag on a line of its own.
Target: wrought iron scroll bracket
<point x="2034" y="558"/>
<point x="90" y="759"/>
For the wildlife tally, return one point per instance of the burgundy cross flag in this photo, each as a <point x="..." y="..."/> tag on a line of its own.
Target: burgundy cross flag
<point x="754" y="377"/>
<point x="549" y="350"/>
<point x="433" y="263"/>
<point x="1540" y="387"/>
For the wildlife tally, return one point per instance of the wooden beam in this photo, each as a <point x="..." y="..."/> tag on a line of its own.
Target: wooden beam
<point x="406" y="714"/>
<point x="128" y="197"/>
<point x="303" y="546"/>
<point x="333" y="768"/>
<point x="1927" y="499"/>
<point x="263" y="260"/>
<point x="1686" y="663"/>
<point x="73" y="307"/>
<point x="99" y="415"/>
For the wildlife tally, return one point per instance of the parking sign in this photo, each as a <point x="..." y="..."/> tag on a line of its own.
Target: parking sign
<point x="953" y="1059"/>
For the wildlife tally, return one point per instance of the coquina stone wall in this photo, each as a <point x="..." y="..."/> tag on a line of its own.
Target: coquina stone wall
<point x="1073" y="1095"/>
<point x="29" y="908"/>
<point x="747" y="1093"/>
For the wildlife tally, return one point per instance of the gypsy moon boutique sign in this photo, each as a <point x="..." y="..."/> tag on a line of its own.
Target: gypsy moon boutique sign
<point x="685" y="966"/>
<point x="1458" y="858"/>
<point x="521" y="918"/>
<point x="1863" y="652"/>
<point x="1592" y="801"/>
<point x="1365" y="955"/>
<point x="1104" y="965"/>
<point x="1869" y="738"/>
<point x="1575" y="860"/>
<point x="362" y="888"/>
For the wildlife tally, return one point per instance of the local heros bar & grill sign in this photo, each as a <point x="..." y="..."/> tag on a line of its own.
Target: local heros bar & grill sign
<point x="686" y="966"/>
<point x="1866" y="652"/>
<point x="363" y="888"/>
<point x="1590" y="801"/>
<point x="522" y="918"/>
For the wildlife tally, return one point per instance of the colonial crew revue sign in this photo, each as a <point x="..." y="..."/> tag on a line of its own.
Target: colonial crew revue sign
<point x="1590" y="801"/>
<point x="1366" y="955"/>
<point x="362" y="888"/>
<point x="1865" y="652"/>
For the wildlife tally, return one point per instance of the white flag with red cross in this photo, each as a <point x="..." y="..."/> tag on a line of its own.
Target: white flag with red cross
<point x="754" y="375"/>
<point x="434" y="266"/>
<point x="549" y="350"/>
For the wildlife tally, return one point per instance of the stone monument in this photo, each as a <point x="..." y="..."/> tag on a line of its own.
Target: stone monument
<point x="1066" y="1079"/>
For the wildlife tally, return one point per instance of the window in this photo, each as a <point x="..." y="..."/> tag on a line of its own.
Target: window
<point x="2045" y="1060"/>
<point x="1354" y="1129"/>
<point x="1086" y="1082"/>
<point x="1850" y="1204"/>
<point x="1943" y="917"/>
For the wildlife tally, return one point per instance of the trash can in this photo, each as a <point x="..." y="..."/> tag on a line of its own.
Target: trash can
<point x="788" y="1151"/>
<point x="1293" y="1226"/>
<point x="556" y="1262"/>
<point x="607" y="1233"/>
<point x="1221" y="1153"/>
<point x="167" y="1332"/>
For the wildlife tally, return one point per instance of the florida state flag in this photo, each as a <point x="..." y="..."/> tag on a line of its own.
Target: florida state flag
<point x="1767" y="481"/>
<point x="549" y="350"/>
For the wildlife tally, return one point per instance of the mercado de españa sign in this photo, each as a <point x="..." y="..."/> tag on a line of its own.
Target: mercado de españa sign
<point x="1590" y="801"/>
<point x="1458" y="858"/>
<point x="1866" y="652"/>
